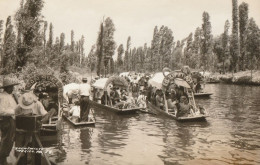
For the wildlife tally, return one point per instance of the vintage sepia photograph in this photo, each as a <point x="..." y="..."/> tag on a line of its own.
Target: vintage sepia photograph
<point x="129" y="82"/>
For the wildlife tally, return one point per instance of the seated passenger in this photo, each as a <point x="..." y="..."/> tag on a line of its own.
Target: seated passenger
<point x="172" y="100"/>
<point x="128" y="103"/>
<point x="105" y="99"/>
<point x="135" y="89"/>
<point x="141" y="100"/>
<point x="75" y="112"/>
<point x="159" y="99"/>
<point x="29" y="105"/>
<point x="114" y="95"/>
<point x="184" y="107"/>
<point x="123" y="95"/>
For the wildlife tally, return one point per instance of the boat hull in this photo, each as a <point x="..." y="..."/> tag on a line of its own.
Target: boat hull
<point x="116" y="110"/>
<point x="81" y="124"/>
<point x="197" y="95"/>
<point x="179" y="119"/>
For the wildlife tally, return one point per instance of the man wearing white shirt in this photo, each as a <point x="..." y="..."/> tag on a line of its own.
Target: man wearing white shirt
<point x="7" y="112"/>
<point x="84" y="92"/>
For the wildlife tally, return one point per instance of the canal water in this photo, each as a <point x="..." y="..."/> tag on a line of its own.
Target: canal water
<point x="231" y="135"/>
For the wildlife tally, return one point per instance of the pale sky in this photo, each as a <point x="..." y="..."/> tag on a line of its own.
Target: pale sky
<point x="135" y="18"/>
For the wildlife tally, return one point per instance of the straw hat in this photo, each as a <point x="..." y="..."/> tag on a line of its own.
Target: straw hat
<point x="27" y="100"/>
<point x="8" y="82"/>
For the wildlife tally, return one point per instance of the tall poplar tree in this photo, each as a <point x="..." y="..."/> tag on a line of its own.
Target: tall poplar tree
<point x="109" y="44"/>
<point x="252" y="44"/>
<point x="206" y="46"/>
<point x="155" y="48"/>
<point x="243" y="21"/>
<point x="44" y="36"/>
<point x="127" y="54"/>
<point x="9" y="56"/>
<point x="225" y="44"/>
<point x="28" y="19"/>
<point x="50" y="41"/>
<point x="1" y="45"/>
<point x="62" y="41"/>
<point x="188" y="50"/>
<point x="99" y="51"/>
<point x="120" y="52"/>
<point x="72" y="42"/>
<point x="234" y="44"/>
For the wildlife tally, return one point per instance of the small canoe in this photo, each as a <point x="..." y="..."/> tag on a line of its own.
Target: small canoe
<point x="172" y="115"/>
<point x="91" y="122"/>
<point x="202" y="94"/>
<point x="114" y="109"/>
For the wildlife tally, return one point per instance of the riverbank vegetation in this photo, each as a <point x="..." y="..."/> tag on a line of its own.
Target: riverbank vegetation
<point x="29" y="39"/>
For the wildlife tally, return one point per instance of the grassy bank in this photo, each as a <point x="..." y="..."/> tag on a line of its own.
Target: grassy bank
<point x="243" y="77"/>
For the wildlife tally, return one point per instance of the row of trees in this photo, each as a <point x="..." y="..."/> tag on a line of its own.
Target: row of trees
<point x="237" y="51"/>
<point x="25" y="41"/>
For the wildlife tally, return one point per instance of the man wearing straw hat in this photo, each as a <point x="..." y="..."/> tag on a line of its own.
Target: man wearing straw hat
<point x="7" y="112"/>
<point x="29" y="105"/>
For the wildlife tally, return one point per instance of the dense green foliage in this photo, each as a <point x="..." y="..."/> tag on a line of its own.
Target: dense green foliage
<point x="32" y="41"/>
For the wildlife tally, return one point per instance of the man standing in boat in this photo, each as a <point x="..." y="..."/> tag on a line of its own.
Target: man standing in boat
<point x="84" y="92"/>
<point x="7" y="112"/>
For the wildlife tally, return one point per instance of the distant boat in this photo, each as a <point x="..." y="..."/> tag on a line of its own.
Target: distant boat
<point x="102" y="85"/>
<point x="172" y="114"/>
<point x="159" y="82"/>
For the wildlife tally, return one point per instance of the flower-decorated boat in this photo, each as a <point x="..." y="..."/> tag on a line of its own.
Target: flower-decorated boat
<point x="48" y="86"/>
<point x="177" y="85"/>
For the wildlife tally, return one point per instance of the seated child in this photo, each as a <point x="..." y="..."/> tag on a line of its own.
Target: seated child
<point x="75" y="112"/>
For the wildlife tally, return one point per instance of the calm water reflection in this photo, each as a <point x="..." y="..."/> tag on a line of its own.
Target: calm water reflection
<point x="231" y="135"/>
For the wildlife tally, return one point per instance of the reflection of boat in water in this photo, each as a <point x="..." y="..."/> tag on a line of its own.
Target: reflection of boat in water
<point x="180" y="82"/>
<point x="102" y="89"/>
<point x="202" y="94"/>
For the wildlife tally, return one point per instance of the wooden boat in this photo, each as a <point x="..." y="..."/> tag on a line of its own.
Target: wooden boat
<point x="176" y="81"/>
<point x="101" y="87"/>
<point x="202" y="94"/>
<point x="172" y="114"/>
<point x="55" y="90"/>
<point x="114" y="109"/>
<point x="91" y="122"/>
